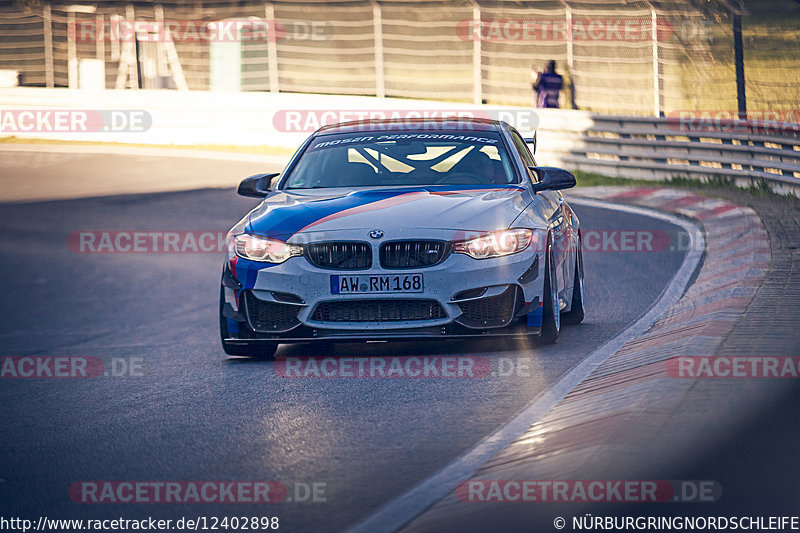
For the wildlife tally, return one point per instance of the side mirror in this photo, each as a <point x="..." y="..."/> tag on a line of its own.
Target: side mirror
<point x="532" y="142"/>
<point x="553" y="179"/>
<point x="256" y="186"/>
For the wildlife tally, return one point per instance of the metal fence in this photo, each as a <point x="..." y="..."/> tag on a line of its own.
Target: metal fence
<point x="632" y="58"/>
<point x="741" y="152"/>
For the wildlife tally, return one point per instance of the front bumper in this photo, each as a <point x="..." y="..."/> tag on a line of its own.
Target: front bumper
<point x="461" y="297"/>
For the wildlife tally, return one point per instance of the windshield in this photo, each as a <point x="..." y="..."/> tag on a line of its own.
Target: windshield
<point x="369" y="159"/>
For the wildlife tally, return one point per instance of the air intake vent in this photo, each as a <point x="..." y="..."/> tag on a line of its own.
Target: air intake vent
<point x="490" y="312"/>
<point x="395" y="310"/>
<point x="413" y="254"/>
<point x="270" y="317"/>
<point x="340" y="255"/>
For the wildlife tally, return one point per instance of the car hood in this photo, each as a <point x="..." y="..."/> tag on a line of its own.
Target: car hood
<point x="470" y="208"/>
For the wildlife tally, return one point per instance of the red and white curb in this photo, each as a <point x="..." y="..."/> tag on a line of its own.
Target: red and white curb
<point x="737" y="259"/>
<point x="585" y="411"/>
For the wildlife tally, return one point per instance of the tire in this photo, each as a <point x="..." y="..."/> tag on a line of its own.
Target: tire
<point x="576" y="311"/>
<point x="551" y="313"/>
<point x="256" y="349"/>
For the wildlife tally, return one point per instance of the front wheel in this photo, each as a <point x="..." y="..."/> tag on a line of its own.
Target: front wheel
<point x="551" y="312"/>
<point x="264" y="350"/>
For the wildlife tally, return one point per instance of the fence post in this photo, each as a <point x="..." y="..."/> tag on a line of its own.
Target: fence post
<point x="738" y="53"/>
<point x="49" y="74"/>
<point x="133" y="65"/>
<point x="272" y="47"/>
<point x="654" y="35"/>
<point x="113" y="36"/>
<point x="128" y="70"/>
<point x="100" y="39"/>
<point x="72" y="52"/>
<point x="377" y="32"/>
<point x="100" y="43"/>
<point x="477" y="70"/>
<point x="568" y="20"/>
<point x="173" y="60"/>
<point x="570" y="56"/>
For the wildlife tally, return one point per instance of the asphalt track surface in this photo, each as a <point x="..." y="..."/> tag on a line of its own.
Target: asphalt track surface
<point x="195" y="415"/>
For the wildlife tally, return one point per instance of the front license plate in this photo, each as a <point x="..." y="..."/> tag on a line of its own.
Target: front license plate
<point x="368" y="284"/>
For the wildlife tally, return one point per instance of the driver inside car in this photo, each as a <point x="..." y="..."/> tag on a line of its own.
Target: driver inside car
<point x="480" y="165"/>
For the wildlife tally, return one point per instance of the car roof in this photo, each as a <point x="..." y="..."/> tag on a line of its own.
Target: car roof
<point x="400" y="124"/>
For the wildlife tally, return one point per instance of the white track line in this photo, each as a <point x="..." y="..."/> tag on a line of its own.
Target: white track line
<point x="398" y="512"/>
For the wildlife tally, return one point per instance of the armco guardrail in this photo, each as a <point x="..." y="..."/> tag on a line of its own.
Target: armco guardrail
<point x="690" y="146"/>
<point x="632" y="147"/>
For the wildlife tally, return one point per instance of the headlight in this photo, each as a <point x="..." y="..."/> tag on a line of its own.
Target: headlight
<point x="496" y="244"/>
<point x="258" y="248"/>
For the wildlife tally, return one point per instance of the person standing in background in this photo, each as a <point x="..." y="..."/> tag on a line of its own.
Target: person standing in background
<point x="548" y="85"/>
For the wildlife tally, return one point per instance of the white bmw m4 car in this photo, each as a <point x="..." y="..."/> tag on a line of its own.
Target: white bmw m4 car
<point x="412" y="229"/>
